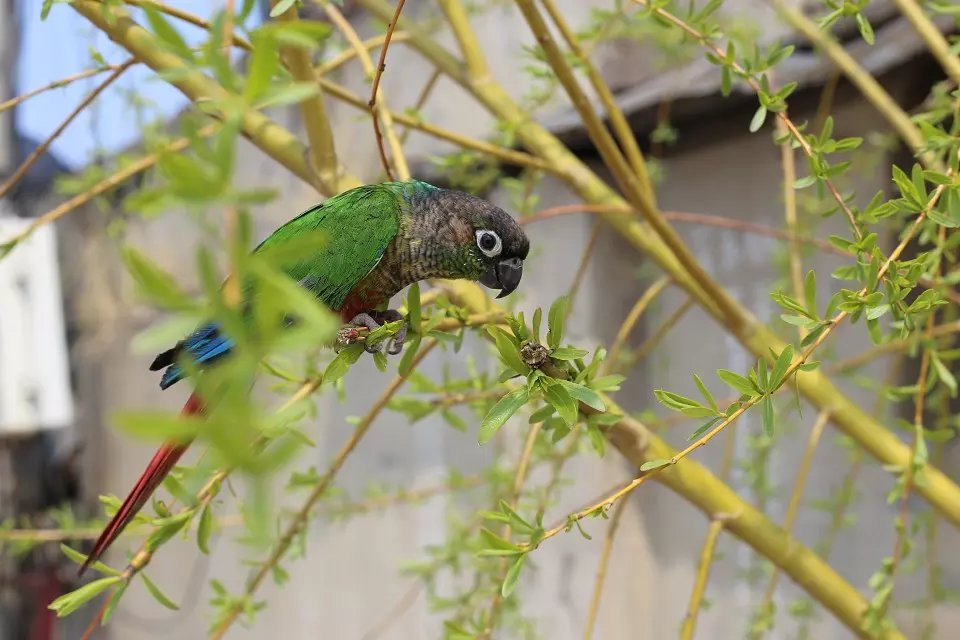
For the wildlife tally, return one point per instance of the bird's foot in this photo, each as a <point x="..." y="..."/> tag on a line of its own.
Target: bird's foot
<point x="372" y="321"/>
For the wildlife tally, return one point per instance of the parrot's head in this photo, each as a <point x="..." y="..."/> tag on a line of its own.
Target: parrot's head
<point x="482" y="241"/>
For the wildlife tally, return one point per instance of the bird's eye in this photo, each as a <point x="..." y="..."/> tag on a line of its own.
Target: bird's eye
<point x="489" y="243"/>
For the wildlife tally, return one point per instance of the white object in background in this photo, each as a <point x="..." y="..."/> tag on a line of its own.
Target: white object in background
<point x="34" y="367"/>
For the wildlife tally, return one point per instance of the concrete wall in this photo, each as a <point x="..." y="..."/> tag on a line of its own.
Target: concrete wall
<point x="349" y="577"/>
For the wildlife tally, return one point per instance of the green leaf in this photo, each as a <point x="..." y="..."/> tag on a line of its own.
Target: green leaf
<point x="943" y="373"/>
<point x="562" y="401"/>
<point x="112" y="603"/>
<point x="166" y="32"/>
<point x="495" y="545"/>
<point x="510" y="580"/>
<point x="865" y="29"/>
<point x="414" y="314"/>
<point x="70" y="602"/>
<point x="781" y="366"/>
<point x="406" y="361"/>
<point x="157" y="594"/>
<point x="768" y="416"/>
<point x="759" y="117"/>
<point x="542" y="414"/>
<point x="156" y="284"/>
<point x="568" y="353"/>
<point x="516" y="522"/>
<point x="705" y="392"/>
<point x="502" y="411"/>
<point x="585" y="395"/>
<point x="810" y="292"/>
<point x="607" y="383"/>
<point x="555" y="322"/>
<point x="292" y="93"/>
<point x="509" y="350"/>
<point x="281" y="7"/>
<point x="537" y="319"/>
<point x="203" y="530"/>
<point x="80" y="558"/>
<point x="704" y="428"/>
<point x="339" y="366"/>
<point x="686" y="406"/>
<point x="650" y="465"/>
<point x="261" y="67"/>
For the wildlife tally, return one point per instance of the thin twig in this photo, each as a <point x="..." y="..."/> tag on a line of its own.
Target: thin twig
<point x="936" y="43"/>
<point x="345" y="56"/>
<point x="509" y="156"/>
<point x="398" y="158"/>
<point x="601" y="574"/>
<point x="421" y="100"/>
<point x="626" y="328"/>
<point x="789" y="165"/>
<point x="108" y="183"/>
<point x="375" y="105"/>
<point x="43" y="146"/>
<point x="700" y="582"/>
<point x="57" y="84"/>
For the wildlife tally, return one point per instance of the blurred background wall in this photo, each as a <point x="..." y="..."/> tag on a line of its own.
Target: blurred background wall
<point x="348" y="583"/>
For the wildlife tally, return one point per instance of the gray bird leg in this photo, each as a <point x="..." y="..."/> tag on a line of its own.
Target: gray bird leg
<point x="373" y="321"/>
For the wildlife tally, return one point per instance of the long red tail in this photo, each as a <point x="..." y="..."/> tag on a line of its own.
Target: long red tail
<point x="163" y="461"/>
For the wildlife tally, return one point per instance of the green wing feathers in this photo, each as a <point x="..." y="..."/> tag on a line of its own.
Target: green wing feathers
<point x="357" y="225"/>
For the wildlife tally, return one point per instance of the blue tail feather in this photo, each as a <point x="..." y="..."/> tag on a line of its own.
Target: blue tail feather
<point x="203" y="346"/>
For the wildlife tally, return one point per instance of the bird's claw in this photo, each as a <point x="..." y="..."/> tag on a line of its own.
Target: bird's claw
<point x="373" y="321"/>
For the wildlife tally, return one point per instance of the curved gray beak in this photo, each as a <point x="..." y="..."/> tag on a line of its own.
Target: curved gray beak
<point x="504" y="275"/>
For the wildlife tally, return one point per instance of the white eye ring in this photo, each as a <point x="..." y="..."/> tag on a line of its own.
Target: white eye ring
<point x="483" y="242"/>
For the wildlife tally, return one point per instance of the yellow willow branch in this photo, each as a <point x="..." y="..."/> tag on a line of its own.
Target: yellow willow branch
<point x="793" y="506"/>
<point x="700" y="582"/>
<point x="323" y="153"/>
<point x="931" y="35"/>
<point x="622" y="129"/>
<point x="345" y="56"/>
<point x="626" y="328"/>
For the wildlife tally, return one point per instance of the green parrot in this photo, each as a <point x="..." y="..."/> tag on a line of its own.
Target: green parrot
<point x="380" y="239"/>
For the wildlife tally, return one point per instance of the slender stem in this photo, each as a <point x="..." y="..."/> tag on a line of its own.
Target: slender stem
<point x="601" y="575"/>
<point x="421" y="100"/>
<point x="376" y="106"/>
<point x="57" y="84"/>
<point x="108" y="183"/>
<point x="872" y="90"/>
<point x="700" y="582"/>
<point x="303" y="514"/>
<point x="21" y="171"/>
<point x="509" y="156"/>
<point x="789" y="164"/>
<point x="398" y="157"/>
<point x="626" y="328"/>
<point x="328" y="66"/>
<point x="519" y="477"/>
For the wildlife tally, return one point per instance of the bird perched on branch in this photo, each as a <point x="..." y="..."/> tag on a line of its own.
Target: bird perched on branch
<point x="381" y="238"/>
